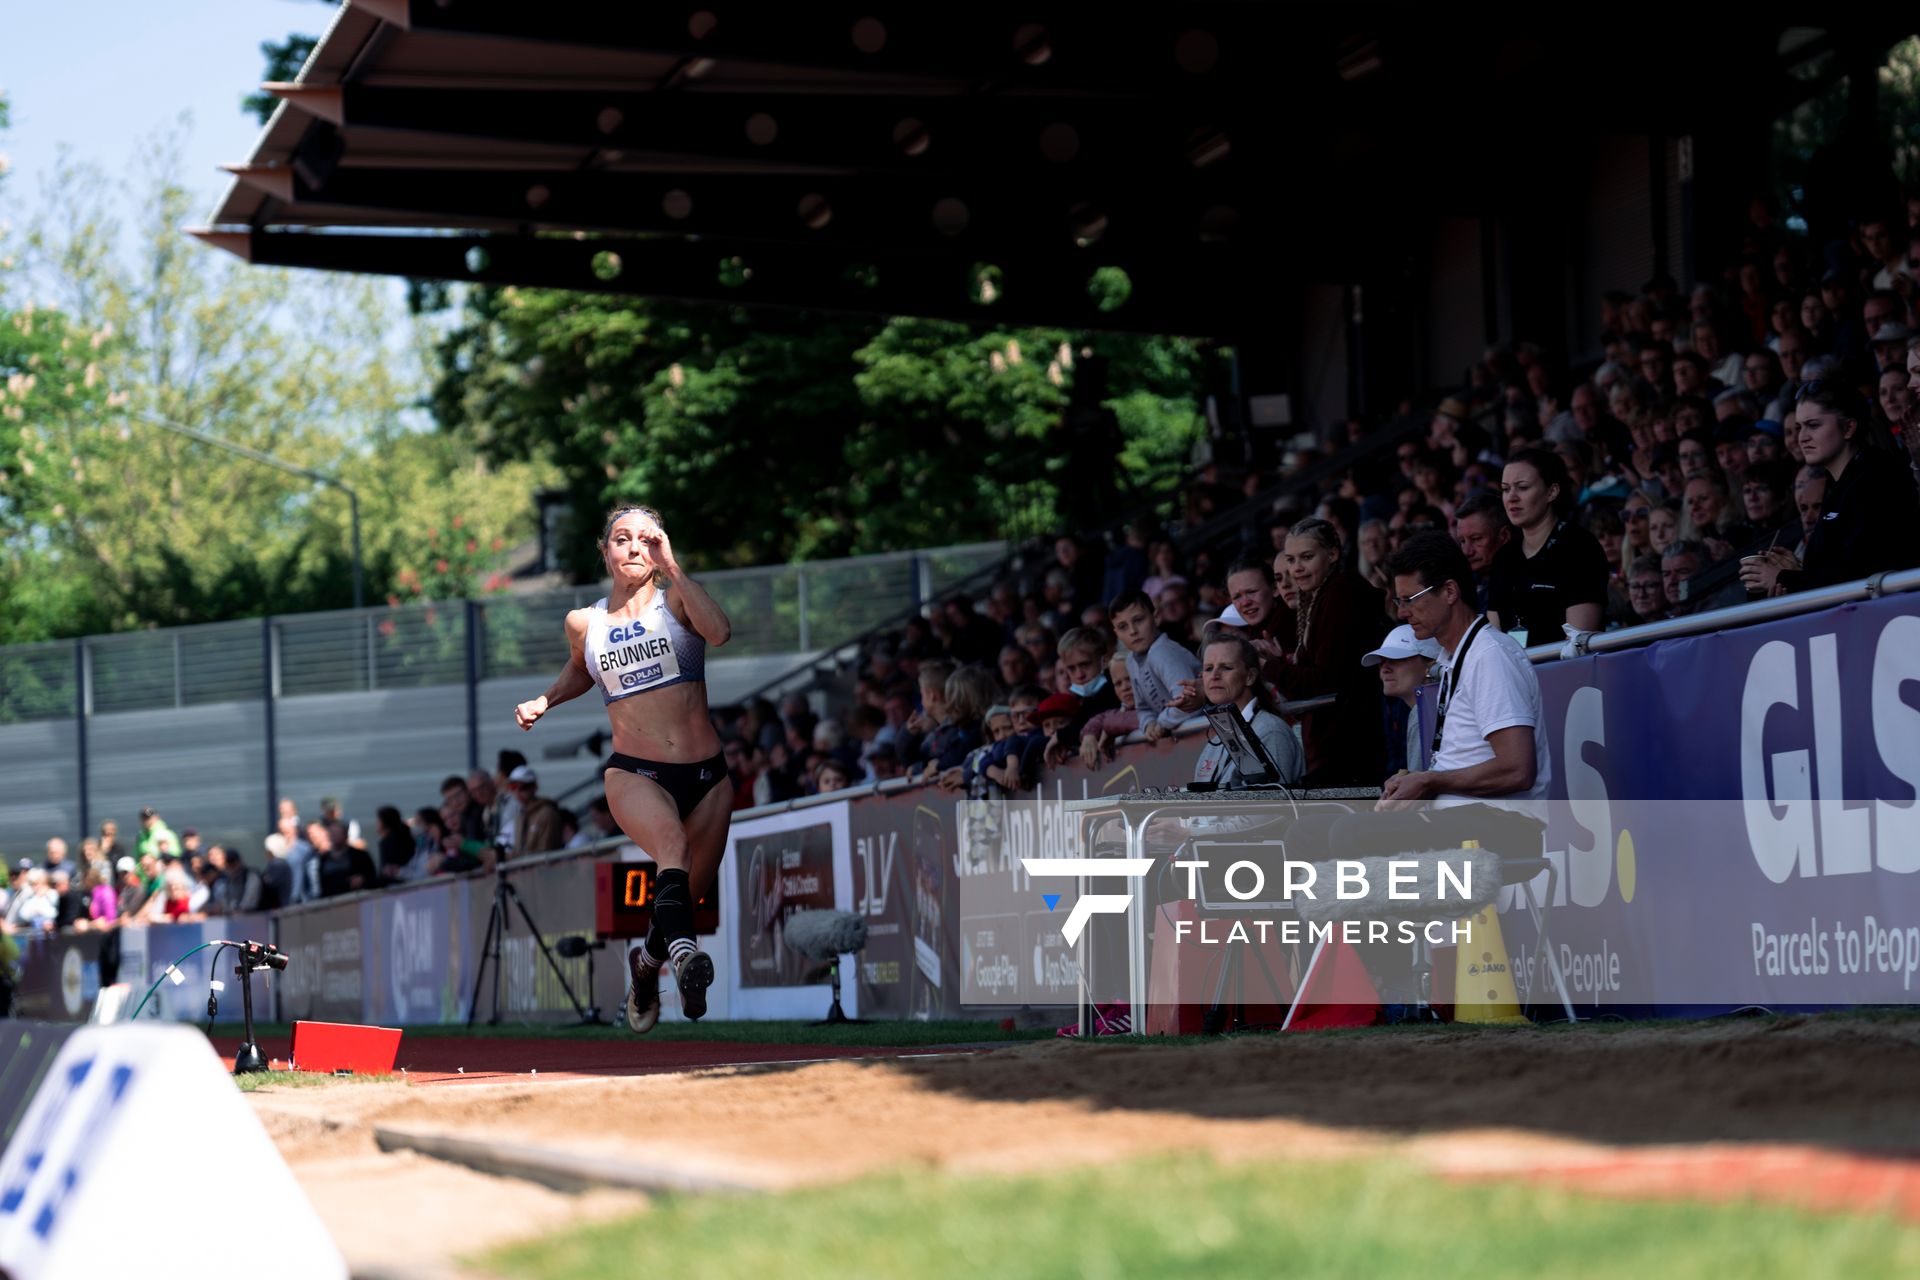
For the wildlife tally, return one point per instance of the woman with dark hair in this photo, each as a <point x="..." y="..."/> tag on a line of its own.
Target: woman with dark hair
<point x="1553" y="572"/>
<point x="644" y="647"/>
<point x="1870" y="520"/>
<point x="394" y="841"/>
<point x="1340" y="617"/>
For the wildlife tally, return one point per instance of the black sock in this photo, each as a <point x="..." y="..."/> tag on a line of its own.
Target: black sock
<point x="672" y="908"/>
<point x="653" y="951"/>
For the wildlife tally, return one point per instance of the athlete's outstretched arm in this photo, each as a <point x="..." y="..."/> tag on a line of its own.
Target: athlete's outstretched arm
<point x="573" y="680"/>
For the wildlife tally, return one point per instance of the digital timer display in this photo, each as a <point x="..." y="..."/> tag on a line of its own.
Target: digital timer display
<point x="623" y="901"/>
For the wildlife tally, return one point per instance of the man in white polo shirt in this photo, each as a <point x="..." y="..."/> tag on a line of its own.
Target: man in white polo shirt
<point x="1489" y="745"/>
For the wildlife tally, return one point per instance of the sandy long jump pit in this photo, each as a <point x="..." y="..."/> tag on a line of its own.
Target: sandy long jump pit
<point x="1821" y="1112"/>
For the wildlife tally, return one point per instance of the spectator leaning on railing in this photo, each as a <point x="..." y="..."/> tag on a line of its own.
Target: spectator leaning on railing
<point x="1166" y="687"/>
<point x="1870" y="519"/>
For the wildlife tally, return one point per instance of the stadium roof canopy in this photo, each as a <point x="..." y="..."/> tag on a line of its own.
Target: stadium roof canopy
<point x="969" y="161"/>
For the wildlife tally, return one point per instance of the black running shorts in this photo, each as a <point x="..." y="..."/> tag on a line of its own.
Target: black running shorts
<point x="688" y="784"/>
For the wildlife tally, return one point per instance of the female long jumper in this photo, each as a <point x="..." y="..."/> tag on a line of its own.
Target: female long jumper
<point x="645" y="646"/>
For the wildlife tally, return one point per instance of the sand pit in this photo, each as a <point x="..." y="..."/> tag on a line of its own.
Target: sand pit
<point x="1829" y="1094"/>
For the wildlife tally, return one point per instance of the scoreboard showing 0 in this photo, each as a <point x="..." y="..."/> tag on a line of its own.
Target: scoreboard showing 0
<point x="623" y="901"/>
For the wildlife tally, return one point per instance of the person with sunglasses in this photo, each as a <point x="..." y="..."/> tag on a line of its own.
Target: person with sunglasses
<point x="1488" y="745"/>
<point x="1870" y="518"/>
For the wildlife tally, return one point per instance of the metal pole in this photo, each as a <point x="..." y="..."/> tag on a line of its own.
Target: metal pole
<point x="473" y="685"/>
<point x="80" y="728"/>
<point x="266" y="698"/>
<point x="800" y="587"/>
<point x="353" y="511"/>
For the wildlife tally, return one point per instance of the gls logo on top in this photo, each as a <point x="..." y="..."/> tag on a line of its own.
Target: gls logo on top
<point x="619" y="635"/>
<point x="1809" y="824"/>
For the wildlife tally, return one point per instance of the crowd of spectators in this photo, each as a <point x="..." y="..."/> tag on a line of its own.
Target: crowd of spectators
<point x="165" y="877"/>
<point x="1753" y="436"/>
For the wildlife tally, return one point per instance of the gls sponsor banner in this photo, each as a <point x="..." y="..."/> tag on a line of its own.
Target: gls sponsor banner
<point x="1739" y="823"/>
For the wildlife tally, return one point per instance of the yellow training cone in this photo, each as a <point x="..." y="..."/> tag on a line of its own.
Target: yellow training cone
<point x="1483" y="989"/>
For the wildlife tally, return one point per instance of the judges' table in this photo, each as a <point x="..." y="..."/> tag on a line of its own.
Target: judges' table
<point x="1114" y="829"/>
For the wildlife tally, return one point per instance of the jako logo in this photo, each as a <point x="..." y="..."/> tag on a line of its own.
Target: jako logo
<point x="1090" y="904"/>
<point x="615" y="635"/>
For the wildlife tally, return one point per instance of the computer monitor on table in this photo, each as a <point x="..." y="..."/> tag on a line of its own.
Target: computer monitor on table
<point x="1255" y="767"/>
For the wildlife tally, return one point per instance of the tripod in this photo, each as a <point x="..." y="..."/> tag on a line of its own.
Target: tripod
<point x="497" y="924"/>
<point x="1223" y="1015"/>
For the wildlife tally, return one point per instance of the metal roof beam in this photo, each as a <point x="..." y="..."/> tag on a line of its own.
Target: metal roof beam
<point x="965" y="215"/>
<point x="891" y="133"/>
<point x="1154" y="50"/>
<point x="1195" y="294"/>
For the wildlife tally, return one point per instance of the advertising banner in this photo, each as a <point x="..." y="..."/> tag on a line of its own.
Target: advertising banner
<point x="412" y="960"/>
<point x="953" y="919"/>
<point x="59" y="975"/>
<point x="324" y="979"/>
<point x="1739" y="822"/>
<point x="781" y="864"/>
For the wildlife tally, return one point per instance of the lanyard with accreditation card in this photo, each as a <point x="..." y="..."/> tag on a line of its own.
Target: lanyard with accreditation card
<point x="1452" y="680"/>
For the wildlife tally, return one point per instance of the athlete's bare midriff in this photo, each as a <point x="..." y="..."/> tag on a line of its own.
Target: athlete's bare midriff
<point x="670" y="725"/>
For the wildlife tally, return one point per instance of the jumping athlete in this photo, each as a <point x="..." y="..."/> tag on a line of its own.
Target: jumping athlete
<point x="645" y="645"/>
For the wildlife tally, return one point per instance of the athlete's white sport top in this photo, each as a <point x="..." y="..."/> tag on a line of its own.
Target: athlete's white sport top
<point x="639" y="655"/>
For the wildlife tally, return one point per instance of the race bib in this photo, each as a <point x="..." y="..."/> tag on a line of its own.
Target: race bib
<point x="635" y="658"/>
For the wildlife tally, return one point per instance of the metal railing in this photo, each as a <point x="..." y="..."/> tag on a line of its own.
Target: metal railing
<point x="1730" y="617"/>
<point x="776" y="609"/>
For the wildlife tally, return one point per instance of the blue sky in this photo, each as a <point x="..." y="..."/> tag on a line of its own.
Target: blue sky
<point x="101" y="76"/>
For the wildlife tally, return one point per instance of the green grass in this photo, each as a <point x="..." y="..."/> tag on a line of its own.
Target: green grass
<point x="875" y="1034"/>
<point x="254" y="1081"/>
<point x="1187" y="1216"/>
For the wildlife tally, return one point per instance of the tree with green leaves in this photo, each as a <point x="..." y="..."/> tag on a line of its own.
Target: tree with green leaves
<point x="769" y="435"/>
<point x="111" y="523"/>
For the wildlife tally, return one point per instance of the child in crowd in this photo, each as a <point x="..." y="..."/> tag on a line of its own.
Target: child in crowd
<point x="1100" y="732"/>
<point x="1165" y="676"/>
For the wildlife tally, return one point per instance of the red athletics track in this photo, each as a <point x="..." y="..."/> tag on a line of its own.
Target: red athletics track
<point x="459" y="1059"/>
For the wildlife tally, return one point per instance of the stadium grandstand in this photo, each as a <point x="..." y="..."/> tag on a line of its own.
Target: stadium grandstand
<point x="1561" y="518"/>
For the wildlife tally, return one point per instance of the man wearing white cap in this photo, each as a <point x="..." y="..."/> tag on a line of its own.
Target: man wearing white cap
<point x="538" y="828"/>
<point x="1404" y="661"/>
